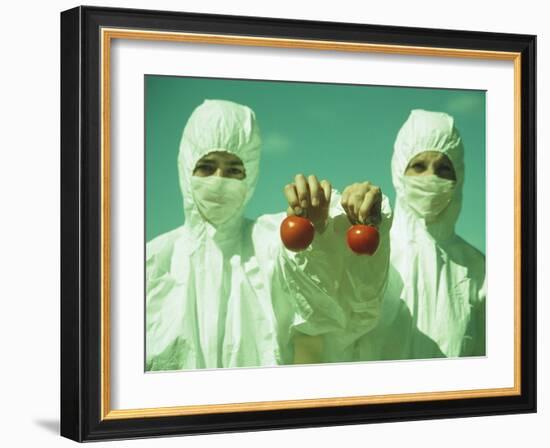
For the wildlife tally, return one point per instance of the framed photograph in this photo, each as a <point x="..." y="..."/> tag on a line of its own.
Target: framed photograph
<point x="272" y="223"/>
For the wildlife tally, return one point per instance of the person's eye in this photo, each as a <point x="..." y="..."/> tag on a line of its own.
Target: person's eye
<point x="235" y="172"/>
<point x="418" y="167"/>
<point x="205" y="169"/>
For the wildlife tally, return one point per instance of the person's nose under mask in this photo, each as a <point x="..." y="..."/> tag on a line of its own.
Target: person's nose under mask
<point x="218" y="199"/>
<point x="428" y="196"/>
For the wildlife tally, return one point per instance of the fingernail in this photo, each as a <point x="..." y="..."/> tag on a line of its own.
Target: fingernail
<point x="314" y="202"/>
<point x="303" y="203"/>
<point x="298" y="210"/>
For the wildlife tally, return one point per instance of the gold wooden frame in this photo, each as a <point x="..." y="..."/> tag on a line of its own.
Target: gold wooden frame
<point x="107" y="35"/>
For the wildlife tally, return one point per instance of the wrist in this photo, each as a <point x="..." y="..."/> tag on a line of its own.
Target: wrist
<point x="320" y="225"/>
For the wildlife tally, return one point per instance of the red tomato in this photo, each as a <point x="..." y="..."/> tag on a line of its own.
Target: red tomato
<point x="297" y="233"/>
<point x="363" y="239"/>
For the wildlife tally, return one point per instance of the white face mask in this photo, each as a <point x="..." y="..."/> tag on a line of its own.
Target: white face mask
<point x="218" y="198"/>
<point x="428" y="195"/>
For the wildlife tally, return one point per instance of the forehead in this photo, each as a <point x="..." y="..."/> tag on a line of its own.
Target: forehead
<point x="431" y="156"/>
<point x="221" y="157"/>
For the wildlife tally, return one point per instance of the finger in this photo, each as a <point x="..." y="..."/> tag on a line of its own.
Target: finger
<point x="292" y="198"/>
<point x="361" y="190"/>
<point x="344" y="201"/>
<point x="347" y="203"/>
<point x="302" y="190"/>
<point x="354" y="203"/>
<point x="327" y="190"/>
<point x="290" y="211"/>
<point x="314" y="190"/>
<point x="365" y="207"/>
<point x="367" y="211"/>
<point x="376" y="211"/>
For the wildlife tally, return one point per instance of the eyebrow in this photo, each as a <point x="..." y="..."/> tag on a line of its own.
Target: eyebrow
<point x="445" y="161"/>
<point x="230" y="162"/>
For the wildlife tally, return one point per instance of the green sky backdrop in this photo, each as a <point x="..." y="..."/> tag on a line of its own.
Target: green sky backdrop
<point x="344" y="133"/>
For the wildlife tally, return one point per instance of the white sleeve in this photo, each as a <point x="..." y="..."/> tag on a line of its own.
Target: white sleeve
<point x="332" y="289"/>
<point x="363" y="278"/>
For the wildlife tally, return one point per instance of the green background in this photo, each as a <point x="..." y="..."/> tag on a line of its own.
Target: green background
<point x="344" y="133"/>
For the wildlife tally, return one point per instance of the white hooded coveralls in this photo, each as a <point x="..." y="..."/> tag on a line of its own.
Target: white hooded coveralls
<point x="438" y="276"/>
<point x="232" y="295"/>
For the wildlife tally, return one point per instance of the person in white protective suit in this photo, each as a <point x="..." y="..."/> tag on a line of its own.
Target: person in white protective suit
<point x="222" y="291"/>
<point x="435" y="301"/>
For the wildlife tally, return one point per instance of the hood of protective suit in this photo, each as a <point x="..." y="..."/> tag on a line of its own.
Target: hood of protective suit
<point x="428" y="131"/>
<point x="218" y="125"/>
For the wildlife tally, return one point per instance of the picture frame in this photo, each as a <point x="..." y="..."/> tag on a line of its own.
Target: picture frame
<point x="87" y="34"/>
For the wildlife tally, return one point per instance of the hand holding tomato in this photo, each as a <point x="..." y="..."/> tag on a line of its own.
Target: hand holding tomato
<point x="362" y="203"/>
<point x="309" y="198"/>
